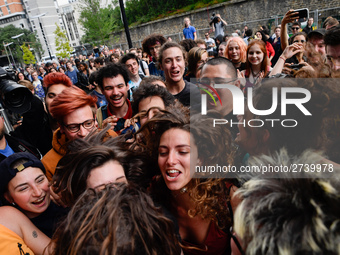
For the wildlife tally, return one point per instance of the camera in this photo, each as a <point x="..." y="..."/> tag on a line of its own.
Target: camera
<point x="13" y="96"/>
<point x="214" y="18"/>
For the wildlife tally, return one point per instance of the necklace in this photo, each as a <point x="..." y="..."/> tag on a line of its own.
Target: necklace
<point x="255" y="75"/>
<point x="181" y="191"/>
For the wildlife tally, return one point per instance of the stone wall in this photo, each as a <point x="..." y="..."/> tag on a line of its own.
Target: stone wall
<point x="237" y="13"/>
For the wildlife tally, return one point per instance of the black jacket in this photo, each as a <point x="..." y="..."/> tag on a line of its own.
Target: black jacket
<point x="19" y="145"/>
<point x="35" y="128"/>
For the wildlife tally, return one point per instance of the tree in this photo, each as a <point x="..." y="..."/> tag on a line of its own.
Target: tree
<point x="30" y="38"/>
<point x="62" y="43"/>
<point x="28" y="56"/>
<point x="98" y="23"/>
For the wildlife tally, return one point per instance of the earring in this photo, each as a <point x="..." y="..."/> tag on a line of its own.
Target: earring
<point x="13" y="203"/>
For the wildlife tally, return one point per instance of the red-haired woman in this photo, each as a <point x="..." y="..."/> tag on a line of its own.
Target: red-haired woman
<point x="270" y="50"/>
<point x="236" y="51"/>
<point x="257" y="63"/>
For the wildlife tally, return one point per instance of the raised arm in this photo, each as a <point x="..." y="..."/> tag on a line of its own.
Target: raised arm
<point x="223" y="21"/>
<point x="289" y="52"/>
<point x="289" y="17"/>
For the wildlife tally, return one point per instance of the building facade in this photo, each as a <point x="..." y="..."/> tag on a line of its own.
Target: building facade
<point x="43" y="16"/>
<point x="13" y="12"/>
<point x="70" y="14"/>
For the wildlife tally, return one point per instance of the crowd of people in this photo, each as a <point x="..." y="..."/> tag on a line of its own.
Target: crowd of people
<point x="119" y="153"/>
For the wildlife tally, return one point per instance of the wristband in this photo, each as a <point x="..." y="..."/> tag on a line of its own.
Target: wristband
<point x="283" y="58"/>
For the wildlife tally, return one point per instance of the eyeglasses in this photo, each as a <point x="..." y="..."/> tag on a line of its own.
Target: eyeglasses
<point x="75" y="127"/>
<point x="295" y="28"/>
<point x="207" y="82"/>
<point x="297" y="41"/>
<point x="155" y="48"/>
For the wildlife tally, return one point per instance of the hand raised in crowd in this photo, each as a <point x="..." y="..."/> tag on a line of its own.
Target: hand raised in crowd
<point x="55" y="197"/>
<point x="130" y="122"/>
<point x="291" y="50"/>
<point x="112" y="120"/>
<point x="241" y="77"/>
<point x="289" y="17"/>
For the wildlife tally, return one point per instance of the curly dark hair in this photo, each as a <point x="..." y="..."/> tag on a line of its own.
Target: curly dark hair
<point x="152" y="40"/>
<point x="149" y="90"/>
<point x="110" y="71"/>
<point x="214" y="146"/>
<point x="73" y="170"/>
<point x="120" y="219"/>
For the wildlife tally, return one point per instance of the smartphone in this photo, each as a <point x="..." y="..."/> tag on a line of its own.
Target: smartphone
<point x="303" y="14"/>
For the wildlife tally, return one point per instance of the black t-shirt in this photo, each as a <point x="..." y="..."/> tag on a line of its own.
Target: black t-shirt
<point x="48" y="221"/>
<point x="184" y="95"/>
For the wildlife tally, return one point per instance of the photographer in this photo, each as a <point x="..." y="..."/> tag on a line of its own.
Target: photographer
<point x="18" y="99"/>
<point x="217" y="24"/>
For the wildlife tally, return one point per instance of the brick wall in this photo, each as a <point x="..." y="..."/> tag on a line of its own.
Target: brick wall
<point x="237" y="13"/>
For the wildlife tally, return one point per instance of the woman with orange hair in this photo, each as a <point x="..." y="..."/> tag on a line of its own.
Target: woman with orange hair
<point x="236" y="51"/>
<point x="257" y="63"/>
<point x="75" y="112"/>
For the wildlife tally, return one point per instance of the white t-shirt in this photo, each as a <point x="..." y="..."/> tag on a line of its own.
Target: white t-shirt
<point x="209" y="42"/>
<point x="145" y="65"/>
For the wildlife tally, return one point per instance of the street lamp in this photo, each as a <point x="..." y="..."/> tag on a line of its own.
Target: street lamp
<point x="8" y="44"/>
<point x="42" y="32"/>
<point x="17" y="36"/>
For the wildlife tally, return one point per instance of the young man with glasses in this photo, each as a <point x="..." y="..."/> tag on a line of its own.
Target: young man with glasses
<point x="75" y="112"/>
<point x="220" y="70"/>
<point x="296" y="27"/>
<point x="151" y="45"/>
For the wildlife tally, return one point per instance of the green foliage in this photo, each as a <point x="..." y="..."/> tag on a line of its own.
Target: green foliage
<point x="8" y="31"/>
<point x="98" y="23"/>
<point x="62" y="43"/>
<point x="28" y="56"/>
<point x="139" y="11"/>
